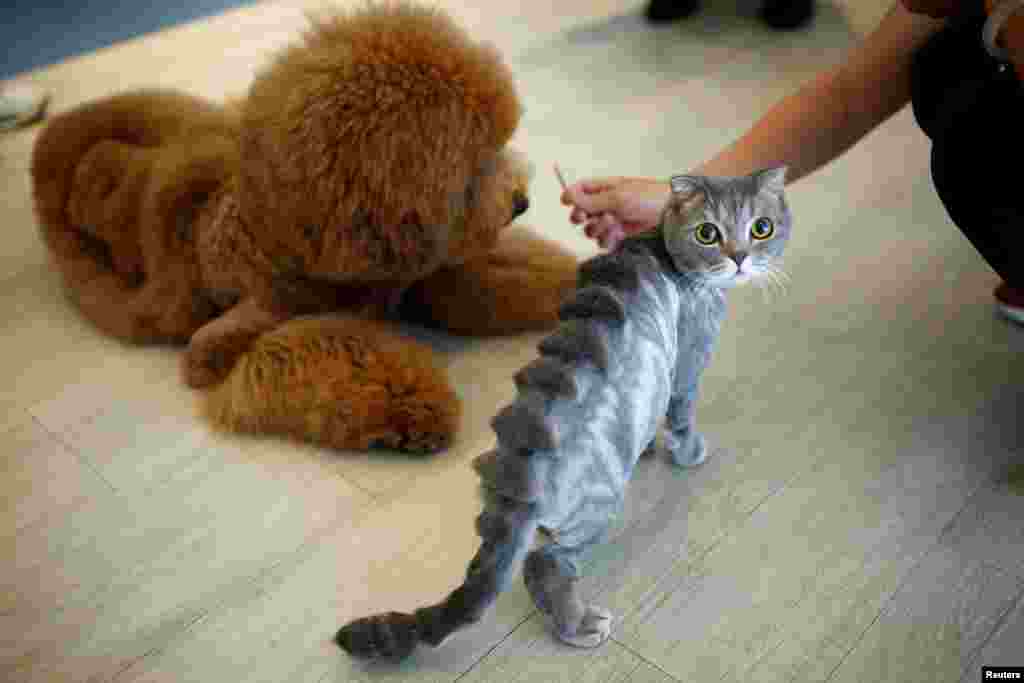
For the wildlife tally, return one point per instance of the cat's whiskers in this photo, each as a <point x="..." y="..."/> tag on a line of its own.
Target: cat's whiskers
<point x="777" y="267"/>
<point x="782" y="274"/>
<point x="764" y="282"/>
<point x="778" y="276"/>
<point x="762" y="277"/>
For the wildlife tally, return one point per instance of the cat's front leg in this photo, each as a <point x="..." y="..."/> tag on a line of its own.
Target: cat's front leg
<point x="682" y="440"/>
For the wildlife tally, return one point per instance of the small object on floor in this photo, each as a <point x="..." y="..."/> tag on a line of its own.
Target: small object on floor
<point x="561" y="179"/>
<point x="21" y="105"/>
<point x="1010" y="302"/>
<point x="664" y="11"/>
<point x="784" y="15"/>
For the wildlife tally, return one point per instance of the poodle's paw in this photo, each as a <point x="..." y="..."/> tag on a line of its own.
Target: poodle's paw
<point x="423" y="427"/>
<point x="207" y="362"/>
<point x="594" y="629"/>
<point x="417" y="444"/>
<point x="428" y="444"/>
<point x="201" y="370"/>
<point x="688" y="450"/>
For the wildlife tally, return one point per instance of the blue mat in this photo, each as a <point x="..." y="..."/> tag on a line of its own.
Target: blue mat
<point x="42" y="32"/>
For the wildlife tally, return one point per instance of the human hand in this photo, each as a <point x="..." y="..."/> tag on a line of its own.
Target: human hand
<point x="614" y="208"/>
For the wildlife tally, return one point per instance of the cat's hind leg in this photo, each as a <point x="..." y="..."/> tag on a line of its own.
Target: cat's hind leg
<point x="552" y="574"/>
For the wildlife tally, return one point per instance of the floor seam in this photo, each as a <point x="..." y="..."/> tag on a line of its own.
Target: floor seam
<point x="906" y="576"/>
<point x="643" y="659"/>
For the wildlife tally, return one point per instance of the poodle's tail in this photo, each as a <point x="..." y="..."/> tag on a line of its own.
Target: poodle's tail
<point x="108" y="179"/>
<point x="339" y="381"/>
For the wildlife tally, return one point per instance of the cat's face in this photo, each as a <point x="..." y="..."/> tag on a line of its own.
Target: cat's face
<point x="727" y="230"/>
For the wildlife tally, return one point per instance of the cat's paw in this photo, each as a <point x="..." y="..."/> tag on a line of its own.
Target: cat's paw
<point x="688" y="451"/>
<point x="382" y="636"/>
<point x="594" y="629"/>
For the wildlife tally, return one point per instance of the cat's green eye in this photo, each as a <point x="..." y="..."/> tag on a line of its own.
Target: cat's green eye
<point x="762" y="229"/>
<point x="706" y="234"/>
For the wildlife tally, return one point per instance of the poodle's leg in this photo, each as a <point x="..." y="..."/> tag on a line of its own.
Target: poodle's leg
<point x="517" y="287"/>
<point x="214" y="348"/>
<point x="551" y="573"/>
<point x="343" y="382"/>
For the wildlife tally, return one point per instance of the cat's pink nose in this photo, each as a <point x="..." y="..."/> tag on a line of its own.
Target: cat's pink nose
<point x="739" y="257"/>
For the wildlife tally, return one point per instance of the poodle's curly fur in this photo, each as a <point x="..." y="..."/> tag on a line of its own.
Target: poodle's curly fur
<point x="366" y="173"/>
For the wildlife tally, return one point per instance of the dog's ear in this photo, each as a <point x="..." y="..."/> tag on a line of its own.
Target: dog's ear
<point x="386" y="109"/>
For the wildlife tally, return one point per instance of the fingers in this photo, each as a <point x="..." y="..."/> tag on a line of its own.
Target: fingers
<point x="578" y="192"/>
<point x="578" y="216"/>
<point x="611" y="238"/>
<point x="598" y="225"/>
<point x="596" y="204"/>
<point x="606" y="230"/>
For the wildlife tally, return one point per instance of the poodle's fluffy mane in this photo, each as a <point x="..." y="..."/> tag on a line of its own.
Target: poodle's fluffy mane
<point x="433" y="105"/>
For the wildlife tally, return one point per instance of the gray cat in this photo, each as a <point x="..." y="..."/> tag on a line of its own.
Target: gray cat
<point x="633" y="343"/>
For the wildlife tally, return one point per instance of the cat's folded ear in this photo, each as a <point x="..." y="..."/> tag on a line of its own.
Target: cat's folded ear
<point x="687" y="194"/>
<point x="685" y="184"/>
<point x="772" y="179"/>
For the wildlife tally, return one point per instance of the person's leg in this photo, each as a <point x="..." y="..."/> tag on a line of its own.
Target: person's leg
<point x="787" y="14"/>
<point x="21" y="105"/>
<point x="976" y="147"/>
<point x="664" y="11"/>
<point x="779" y="14"/>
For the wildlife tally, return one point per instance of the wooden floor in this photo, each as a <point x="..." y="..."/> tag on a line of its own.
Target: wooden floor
<point x="860" y="521"/>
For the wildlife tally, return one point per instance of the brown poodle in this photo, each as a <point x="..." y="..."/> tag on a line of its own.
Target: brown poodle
<point x="364" y="177"/>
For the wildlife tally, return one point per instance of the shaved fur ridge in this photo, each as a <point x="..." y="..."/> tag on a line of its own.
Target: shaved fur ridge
<point x="550" y="376"/>
<point x="518" y="478"/>
<point x="521" y="426"/>
<point x="610" y="270"/>
<point x="576" y="341"/>
<point x="594" y="301"/>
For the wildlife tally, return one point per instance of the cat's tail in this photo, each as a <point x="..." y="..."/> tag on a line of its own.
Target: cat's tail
<point x="519" y="475"/>
<point x="506" y="527"/>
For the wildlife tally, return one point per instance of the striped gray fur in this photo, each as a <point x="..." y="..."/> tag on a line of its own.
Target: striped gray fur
<point x="629" y="353"/>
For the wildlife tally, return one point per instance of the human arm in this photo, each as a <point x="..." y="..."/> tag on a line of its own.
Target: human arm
<point x="830" y="114"/>
<point x="804" y="131"/>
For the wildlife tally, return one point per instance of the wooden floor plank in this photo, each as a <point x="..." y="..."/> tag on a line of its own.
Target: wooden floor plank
<point x="407" y="553"/>
<point x="99" y="586"/>
<point x="946" y="609"/>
